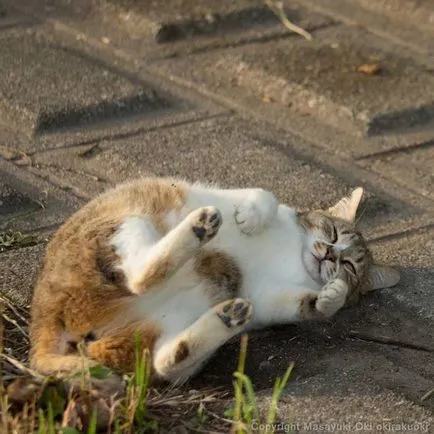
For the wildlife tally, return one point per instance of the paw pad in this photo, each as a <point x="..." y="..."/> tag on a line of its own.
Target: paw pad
<point x="235" y="312"/>
<point x="207" y="223"/>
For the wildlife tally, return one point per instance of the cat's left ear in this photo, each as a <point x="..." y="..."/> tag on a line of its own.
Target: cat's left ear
<point x="346" y="208"/>
<point x="381" y="277"/>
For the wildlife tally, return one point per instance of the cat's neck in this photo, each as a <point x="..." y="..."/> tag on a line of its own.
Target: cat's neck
<point x="289" y="216"/>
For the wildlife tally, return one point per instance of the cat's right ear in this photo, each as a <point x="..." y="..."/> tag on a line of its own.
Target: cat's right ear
<point x="346" y="208"/>
<point x="381" y="277"/>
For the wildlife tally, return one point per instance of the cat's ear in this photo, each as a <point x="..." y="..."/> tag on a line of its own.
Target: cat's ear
<point x="381" y="276"/>
<point x="346" y="208"/>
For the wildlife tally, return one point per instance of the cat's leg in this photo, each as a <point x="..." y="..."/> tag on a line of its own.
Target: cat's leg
<point x="149" y="265"/>
<point x="118" y="350"/>
<point x="299" y="304"/>
<point x="180" y="357"/>
<point x="332" y="297"/>
<point x="256" y="211"/>
<point x="252" y="209"/>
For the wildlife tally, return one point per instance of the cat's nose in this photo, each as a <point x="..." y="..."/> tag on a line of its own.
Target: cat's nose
<point x="330" y="255"/>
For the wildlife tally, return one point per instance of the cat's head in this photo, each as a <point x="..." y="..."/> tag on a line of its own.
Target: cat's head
<point x="333" y="246"/>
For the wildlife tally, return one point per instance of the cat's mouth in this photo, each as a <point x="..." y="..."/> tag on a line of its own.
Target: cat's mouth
<point x="319" y="268"/>
<point x="317" y="263"/>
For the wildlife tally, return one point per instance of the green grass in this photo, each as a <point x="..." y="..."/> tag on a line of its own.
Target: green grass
<point x="143" y="409"/>
<point x="15" y="239"/>
<point x="245" y="411"/>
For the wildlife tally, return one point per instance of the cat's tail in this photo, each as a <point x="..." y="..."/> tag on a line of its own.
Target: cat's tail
<point x="55" y="351"/>
<point x="52" y="349"/>
<point x="48" y="356"/>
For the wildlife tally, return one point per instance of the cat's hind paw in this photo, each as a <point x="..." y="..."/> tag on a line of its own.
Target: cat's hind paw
<point x="235" y="312"/>
<point x="206" y="222"/>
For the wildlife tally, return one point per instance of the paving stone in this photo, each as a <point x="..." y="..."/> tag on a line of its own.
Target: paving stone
<point x="342" y="352"/>
<point x="407" y="23"/>
<point x="350" y="412"/>
<point x="58" y="87"/>
<point x="18" y="273"/>
<point x="10" y="18"/>
<point x="414" y="254"/>
<point x="331" y="79"/>
<point x="14" y="203"/>
<point x="211" y="24"/>
<point x="173" y="28"/>
<point x="28" y="202"/>
<point x="227" y="150"/>
<point x="419" y="12"/>
<point x="412" y="168"/>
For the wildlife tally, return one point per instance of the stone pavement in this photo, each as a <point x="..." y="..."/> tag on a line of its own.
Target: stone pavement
<point x="93" y="92"/>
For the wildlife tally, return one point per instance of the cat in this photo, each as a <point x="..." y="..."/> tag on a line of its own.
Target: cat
<point x="187" y="267"/>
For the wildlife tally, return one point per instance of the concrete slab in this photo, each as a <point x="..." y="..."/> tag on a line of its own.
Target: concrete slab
<point x="412" y="167"/>
<point x="168" y="104"/>
<point x="353" y="412"/>
<point x="418" y="12"/>
<point x="343" y="362"/>
<point x="157" y="30"/>
<point x="13" y="203"/>
<point x="10" y="18"/>
<point x="198" y="73"/>
<point x="326" y="78"/>
<point x="61" y="88"/>
<point x="214" y="74"/>
<point x="406" y="23"/>
<point x="18" y="273"/>
<point x="417" y="269"/>
<point x="30" y="202"/>
<point x="227" y="150"/>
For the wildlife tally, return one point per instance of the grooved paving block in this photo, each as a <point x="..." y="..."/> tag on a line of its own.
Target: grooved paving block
<point x="420" y="12"/>
<point x="413" y="168"/>
<point x="13" y="203"/>
<point x="18" y="272"/>
<point x="28" y="202"/>
<point x="341" y="77"/>
<point x="410" y="23"/>
<point x="176" y="20"/>
<point x="44" y="87"/>
<point x="10" y="18"/>
<point x="162" y="29"/>
<point x="414" y="255"/>
<point x="230" y="151"/>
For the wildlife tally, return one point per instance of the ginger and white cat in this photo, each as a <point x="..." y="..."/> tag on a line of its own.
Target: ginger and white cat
<point x="188" y="267"/>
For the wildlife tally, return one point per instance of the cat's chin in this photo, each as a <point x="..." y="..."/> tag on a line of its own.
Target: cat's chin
<point x="313" y="267"/>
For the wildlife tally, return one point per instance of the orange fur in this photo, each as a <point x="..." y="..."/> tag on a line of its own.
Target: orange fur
<point x="118" y="350"/>
<point x="155" y="274"/>
<point x="79" y="289"/>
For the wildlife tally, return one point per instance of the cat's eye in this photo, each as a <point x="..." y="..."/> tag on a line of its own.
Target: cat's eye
<point x="335" y="235"/>
<point x="349" y="265"/>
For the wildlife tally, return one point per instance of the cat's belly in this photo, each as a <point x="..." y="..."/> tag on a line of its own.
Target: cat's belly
<point x="175" y="306"/>
<point x="273" y="255"/>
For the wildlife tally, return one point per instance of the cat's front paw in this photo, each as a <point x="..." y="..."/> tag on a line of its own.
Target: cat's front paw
<point x="256" y="211"/>
<point x="332" y="297"/>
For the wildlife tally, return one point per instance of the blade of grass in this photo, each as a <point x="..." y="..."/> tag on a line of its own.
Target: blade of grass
<point x="238" y="384"/>
<point x="279" y="386"/>
<point x="277" y="8"/>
